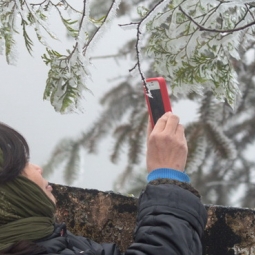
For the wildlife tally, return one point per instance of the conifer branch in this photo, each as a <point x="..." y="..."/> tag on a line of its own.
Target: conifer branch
<point x="202" y="28"/>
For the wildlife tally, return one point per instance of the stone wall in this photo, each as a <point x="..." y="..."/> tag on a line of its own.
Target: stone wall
<point x="110" y="217"/>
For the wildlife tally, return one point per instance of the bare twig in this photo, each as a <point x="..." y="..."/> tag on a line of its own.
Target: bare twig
<point x="139" y="24"/>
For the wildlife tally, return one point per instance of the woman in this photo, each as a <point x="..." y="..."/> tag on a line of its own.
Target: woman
<point x="170" y="216"/>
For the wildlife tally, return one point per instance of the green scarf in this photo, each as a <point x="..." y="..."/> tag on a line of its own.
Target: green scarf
<point x="26" y="212"/>
<point x="1" y="159"/>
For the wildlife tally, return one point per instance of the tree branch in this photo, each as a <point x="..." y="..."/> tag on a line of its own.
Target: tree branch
<point x="202" y="28"/>
<point x="139" y="24"/>
<point x="99" y="28"/>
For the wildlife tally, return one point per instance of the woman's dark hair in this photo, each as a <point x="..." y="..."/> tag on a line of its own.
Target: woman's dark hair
<point x="14" y="153"/>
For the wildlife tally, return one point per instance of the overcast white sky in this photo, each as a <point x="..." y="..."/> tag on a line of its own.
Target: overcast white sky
<point x="22" y="107"/>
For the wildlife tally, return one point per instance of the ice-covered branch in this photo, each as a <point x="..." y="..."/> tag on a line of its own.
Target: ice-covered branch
<point x="192" y="43"/>
<point x="68" y="71"/>
<point x="202" y="28"/>
<point x="105" y="23"/>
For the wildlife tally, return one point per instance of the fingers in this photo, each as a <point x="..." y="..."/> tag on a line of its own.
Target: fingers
<point x="161" y="123"/>
<point x="180" y="136"/>
<point x="180" y="131"/>
<point x="167" y="145"/>
<point x="168" y="123"/>
<point x="172" y="123"/>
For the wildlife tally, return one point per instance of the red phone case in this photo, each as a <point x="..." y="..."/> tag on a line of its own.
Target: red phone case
<point x="164" y="95"/>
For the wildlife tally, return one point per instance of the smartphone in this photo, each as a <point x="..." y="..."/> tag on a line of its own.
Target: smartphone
<point x="157" y="98"/>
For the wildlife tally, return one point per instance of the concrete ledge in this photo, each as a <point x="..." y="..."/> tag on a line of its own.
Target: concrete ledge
<point x="229" y="230"/>
<point x="110" y="217"/>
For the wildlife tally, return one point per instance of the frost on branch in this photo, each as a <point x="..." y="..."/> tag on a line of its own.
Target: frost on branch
<point x="66" y="80"/>
<point x="68" y="71"/>
<point x="193" y="43"/>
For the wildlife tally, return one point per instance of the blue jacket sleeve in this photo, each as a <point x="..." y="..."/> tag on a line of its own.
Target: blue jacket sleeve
<point x="170" y="221"/>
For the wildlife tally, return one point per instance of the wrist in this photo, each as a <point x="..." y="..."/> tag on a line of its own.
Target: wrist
<point x="169" y="174"/>
<point x="175" y="167"/>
